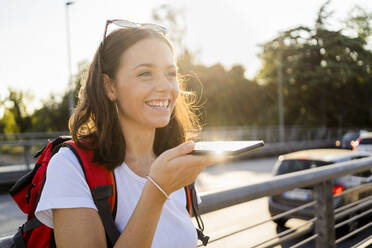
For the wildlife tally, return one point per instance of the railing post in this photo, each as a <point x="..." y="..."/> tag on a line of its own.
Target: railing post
<point x="27" y="155"/>
<point x="324" y="225"/>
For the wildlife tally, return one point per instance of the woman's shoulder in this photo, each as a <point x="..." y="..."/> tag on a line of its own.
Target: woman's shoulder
<point x="65" y="186"/>
<point x="64" y="161"/>
<point x="65" y="177"/>
<point x="64" y="153"/>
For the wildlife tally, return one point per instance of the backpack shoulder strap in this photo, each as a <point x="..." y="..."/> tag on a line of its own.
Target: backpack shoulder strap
<point x="188" y="199"/>
<point x="192" y="203"/>
<point x="103" y="187"/>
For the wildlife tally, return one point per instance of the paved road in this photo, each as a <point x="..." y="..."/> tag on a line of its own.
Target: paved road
<point x="10" y="216"/>
<point x="225" y="176"/>
<point x="216" y="177"/>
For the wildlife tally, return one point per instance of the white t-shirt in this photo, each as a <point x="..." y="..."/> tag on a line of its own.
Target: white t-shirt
<point x="66" y="187"/>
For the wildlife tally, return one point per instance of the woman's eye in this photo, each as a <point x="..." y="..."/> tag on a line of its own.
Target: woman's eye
<point x="146" y="73"/>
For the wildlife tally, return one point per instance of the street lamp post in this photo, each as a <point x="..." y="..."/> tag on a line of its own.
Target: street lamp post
<point x="71" y="90"/>
<point x="280" y="94"/>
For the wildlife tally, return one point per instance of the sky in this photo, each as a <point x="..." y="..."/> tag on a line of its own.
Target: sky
<point x="33" y="44"/>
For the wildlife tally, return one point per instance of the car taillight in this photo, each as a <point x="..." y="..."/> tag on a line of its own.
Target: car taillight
<point x="355" y="143"/>
<point x="337" y="189"/>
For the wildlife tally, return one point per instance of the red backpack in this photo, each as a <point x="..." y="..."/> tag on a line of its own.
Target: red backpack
<point x="27" y="190"/>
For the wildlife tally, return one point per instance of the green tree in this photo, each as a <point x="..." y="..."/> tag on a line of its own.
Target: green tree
<point x="358" y="23"/>
<point x="16" y="118"/>
<point x="9" y="123"/>
<point x="225" y="97"/>
<point x="53" y="115"/>
<point x="327" y="76"/>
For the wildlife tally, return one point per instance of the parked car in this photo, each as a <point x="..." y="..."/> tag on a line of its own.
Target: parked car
<point x="309" y="159"/>
<point x="347" y="141"/>
<point x="364" y="143"/>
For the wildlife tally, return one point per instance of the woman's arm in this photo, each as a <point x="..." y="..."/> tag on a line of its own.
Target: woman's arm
<point x="82" y="227"/>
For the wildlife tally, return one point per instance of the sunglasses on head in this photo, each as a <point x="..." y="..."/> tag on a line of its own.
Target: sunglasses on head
<point x="129" y="24"/>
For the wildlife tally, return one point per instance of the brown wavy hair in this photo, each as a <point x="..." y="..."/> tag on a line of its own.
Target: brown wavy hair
<point x="94" y="123"/>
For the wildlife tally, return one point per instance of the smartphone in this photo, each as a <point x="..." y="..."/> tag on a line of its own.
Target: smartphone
<point x="228" y="148"/>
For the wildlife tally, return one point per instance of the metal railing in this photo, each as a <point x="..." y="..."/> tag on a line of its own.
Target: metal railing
<point x="27" y="141"/>
<point x="324" y="214"/>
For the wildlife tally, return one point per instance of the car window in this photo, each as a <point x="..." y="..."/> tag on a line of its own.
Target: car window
<point x="365" y="174"/>
<point x="293" y="165"/>
<point x="351" y="136"/>
<point x="366" y="141"/>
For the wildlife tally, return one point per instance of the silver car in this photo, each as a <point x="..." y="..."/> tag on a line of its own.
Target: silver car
<point x="364" y="142"/>
<point x="308" y="159"/>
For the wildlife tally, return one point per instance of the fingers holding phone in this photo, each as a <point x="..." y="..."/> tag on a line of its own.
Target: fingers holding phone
<point x="182" y="164"/>
<point x="233" y="148"/>
<point x="222" y="151"/>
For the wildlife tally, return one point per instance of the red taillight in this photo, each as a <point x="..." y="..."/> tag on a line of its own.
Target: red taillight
<point x="337" y="189"/>
<point x="355" y="143"/>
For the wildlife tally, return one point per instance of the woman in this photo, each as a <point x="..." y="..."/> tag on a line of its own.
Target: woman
<point x="133" y="107"/>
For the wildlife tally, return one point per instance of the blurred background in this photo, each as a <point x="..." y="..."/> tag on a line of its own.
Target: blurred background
<point x="318" y="51"/>
<point x="296" y="74"/>
<point x="278" y="71"/>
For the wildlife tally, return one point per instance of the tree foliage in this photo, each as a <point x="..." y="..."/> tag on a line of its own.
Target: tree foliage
<point x="16" y="118"/>
<point x="327" y="79"/>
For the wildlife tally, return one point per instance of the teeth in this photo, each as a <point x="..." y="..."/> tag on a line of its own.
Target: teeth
<point x="157" y="103"/>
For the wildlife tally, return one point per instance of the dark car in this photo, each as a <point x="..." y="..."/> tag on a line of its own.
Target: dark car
<point x="349" y="138"/>
<point x="314" y="158"/>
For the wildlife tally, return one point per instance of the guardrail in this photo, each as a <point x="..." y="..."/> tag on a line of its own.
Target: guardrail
<point x="324" y="212"/>
<point x="28" y="140"/>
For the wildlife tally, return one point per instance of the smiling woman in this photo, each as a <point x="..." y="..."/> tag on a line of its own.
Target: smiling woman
<point x="134" y="117"/>
<point x="149" y="64"/>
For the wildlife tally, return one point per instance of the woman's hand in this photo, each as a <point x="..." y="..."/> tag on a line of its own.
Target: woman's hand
<point x="175" y="168"/>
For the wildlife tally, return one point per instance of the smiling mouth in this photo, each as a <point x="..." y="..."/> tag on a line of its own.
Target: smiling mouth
<point x="158" y="104"/>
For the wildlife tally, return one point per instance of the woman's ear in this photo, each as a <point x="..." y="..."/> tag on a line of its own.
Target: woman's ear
<point x="109" y="87"/>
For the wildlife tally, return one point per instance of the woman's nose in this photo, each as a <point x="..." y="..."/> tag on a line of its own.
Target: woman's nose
<point x="164" y="84"/>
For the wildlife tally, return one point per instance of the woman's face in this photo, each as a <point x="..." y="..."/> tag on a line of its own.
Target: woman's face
<point x="146" y="86"/>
